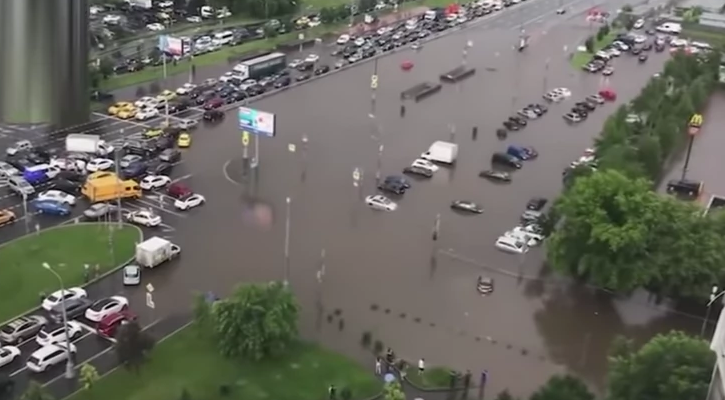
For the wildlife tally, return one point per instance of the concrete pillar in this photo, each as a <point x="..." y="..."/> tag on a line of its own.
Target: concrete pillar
<point x="44" y="66"/>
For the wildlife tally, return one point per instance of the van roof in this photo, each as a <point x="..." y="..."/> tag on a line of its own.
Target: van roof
<point x="38" y="167"/>
<point x="46" y="350"/>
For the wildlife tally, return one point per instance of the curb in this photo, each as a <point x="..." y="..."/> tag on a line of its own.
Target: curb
<point x="104" y="275"/>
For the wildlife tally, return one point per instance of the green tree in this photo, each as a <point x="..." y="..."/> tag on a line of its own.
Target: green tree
<point x="366" y="5"/>
<point x="88" y="376"/>
<point x="105" y="67"/>
<point x="256" y="321"/>
<point x="7" y="386"/>
<point x="671" y="366"/>
<point x="133" y="345"/>
<point x="393" y="391"/>
<point x="36" y="391"/>
<point x="605" y="221"/>
<point x="564" y="387"/>
<point x="270" y="31"/>
<point x="627" y="8"/>
<point x="589" y="44"/>
<point x="328" y="15"/>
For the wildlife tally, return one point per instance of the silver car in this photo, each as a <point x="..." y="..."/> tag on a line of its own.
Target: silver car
<point x="22" y="328"/>
<point x="131" y="275"/>
<point x="129" y="159"/>
<point x="99" y="210"/>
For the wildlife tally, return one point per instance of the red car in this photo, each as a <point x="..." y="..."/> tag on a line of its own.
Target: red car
<point x="109" y="324"/>
<point x="214" y="103"/>
<point x="608" y="94"/>
<point x="178" y="190"/>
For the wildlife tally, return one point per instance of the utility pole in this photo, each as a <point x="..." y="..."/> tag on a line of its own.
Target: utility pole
<point x="375" y="127"/>
<point x="286" y="241"/>
<point x="117" y="162"/>
<point x="546" y="76"/>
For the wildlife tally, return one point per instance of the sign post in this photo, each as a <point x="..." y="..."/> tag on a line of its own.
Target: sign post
<point x="258" y="123"/>
<point x="150" y="300"/>
<point x="245" y="150"/>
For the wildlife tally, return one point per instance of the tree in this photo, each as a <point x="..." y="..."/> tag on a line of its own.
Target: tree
<point x="328" y="15"/>
<point x="606" y="219"/>
<point x="393" y="391"/>
<point x="105" y="67"/>
<point x="589" y="44"/>
<point x="88" y="376"/>
<point x="256" y="321"/>
<point x="202" y="312"/>
<point x="270" y="31"/>
<point x="133" y="345"/>
<point x="505" y="395"/>
<point x="671" y="366"/>
<point x="627" y="8"/>
<point x="564" y="387"/>
<point x="366" y="5"/>
<point x="36" y="391"/>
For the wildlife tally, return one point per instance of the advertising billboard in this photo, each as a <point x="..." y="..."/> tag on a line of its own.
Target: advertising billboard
<point x="171" y="45"/>
<point x="257" y="122"/>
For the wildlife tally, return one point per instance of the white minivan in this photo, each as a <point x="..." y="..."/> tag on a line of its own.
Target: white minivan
<point x="48" y="356"/>
<point x="670" y="27"/>
<point x="223" y="38"/>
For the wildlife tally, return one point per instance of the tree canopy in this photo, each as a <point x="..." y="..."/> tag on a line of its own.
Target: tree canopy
<point x="133" y="345"/>
<point x="671" y="366"/>
<point x="612" y="229"/>
<point x="564" y="387"/>
<point x="258" y="8"/>
<point x="256" y="321"/>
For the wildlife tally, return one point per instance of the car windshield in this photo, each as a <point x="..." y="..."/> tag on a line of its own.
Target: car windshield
<point x="53" y="298"/>
<point x="132" y="272"/>
<point x="34" y="360"/>
<point x="7" y="330"/>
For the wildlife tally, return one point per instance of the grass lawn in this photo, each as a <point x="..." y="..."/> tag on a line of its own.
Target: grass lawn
<point x="582" y="57"/>
<point x="432" y="378"/>
<point x="67" y="249"/>
<point x="714" y="38"/>
<point x="187" y="361"/>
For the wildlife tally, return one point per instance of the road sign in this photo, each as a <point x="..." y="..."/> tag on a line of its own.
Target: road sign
<point x="150" y="288"/>
<point x="291" y="147"/>
<point x="150" y="301"/>
<point x="374" y="82"/>
<point x="356" y="174"/>
<point x="245" y="138"/>
<point x="301" y="36"/>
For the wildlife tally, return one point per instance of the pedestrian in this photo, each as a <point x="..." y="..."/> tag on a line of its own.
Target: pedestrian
<point x="389" y="355"/>
<point x="332" y="392"/>
<point x="467" y="379"/>
<point x="453" y="377"/>
<point x="378" y="366"/>
<point x="86" y="272"/>
<point x="98" y="270"/>
<point x="402" y="110"/>
<point x="474" y="133"/>
<point x="421" y="366"/>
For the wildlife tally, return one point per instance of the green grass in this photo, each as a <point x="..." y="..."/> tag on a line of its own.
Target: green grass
<point x="432" y="378"/>
<point x="188" y="361"/>
<point x="582" y="57"/>
<point x="67" y="249"/>
<point x="712" y="37"/>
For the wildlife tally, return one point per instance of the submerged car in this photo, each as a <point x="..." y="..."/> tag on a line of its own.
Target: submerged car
<point x="467" y="206"/>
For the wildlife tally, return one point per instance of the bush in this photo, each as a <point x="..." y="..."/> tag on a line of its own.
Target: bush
<point x="589" y="44"/>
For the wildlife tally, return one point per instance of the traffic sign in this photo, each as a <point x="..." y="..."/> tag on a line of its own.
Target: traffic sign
<point x="150" y="301"/>
<point x="245" y="138"/>
<point x="301" y="36"/>
<point x="374" y="82"/>
<point x="291" y="147"/>
<point x="356" y="174"/>
<point x="150" y="288"/>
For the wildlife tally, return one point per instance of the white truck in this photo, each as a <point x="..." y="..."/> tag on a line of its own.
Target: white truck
<point x="442" y="152"/>
<point x="82" y="143"/>
<point x="155" y="251"/>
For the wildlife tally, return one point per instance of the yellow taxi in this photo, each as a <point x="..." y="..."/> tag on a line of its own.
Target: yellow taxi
<point x="166" y="95"/>
<point x="127" y="113"/>
<point x="118" y="107"/>
<point x="153" y="132"/>
<point x="184" y="140"/>
<point x="6" y="217"/>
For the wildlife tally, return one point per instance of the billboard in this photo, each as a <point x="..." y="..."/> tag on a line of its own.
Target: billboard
<point x="257" y="122"/>
<point x="171" y="45"/>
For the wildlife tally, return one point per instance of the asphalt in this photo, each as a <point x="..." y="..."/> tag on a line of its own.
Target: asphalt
<point x="380" y="275"/>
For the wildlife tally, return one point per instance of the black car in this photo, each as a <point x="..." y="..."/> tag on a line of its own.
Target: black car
<point x="236" y="96"/>
<point x="164" y="142"/>
<point x="74" y="308"/>
<point x="536" y="203"/>
<point x="585" y="105"/>
<point x="518" y="121"/>
<point x="495" y="175"/>
<point x="213" y="115"/>
<point x="158" y="167"/>
<point x="426" y="173"/>
<point x="139" y="148"/>
<point x="685" y="187"/>
<point x="21" y="163"/>
<point x="303" y="77"/>
<point x="647" y="47"/>
<point x="68" y="186"/>
<point x="135" y="170"/>
<point x="71" y="176"/>
<point x="467" y="206"/>
<point x="282" y="82"/>
<point x="37" y="157"/>
<point x="511" y="126"/>
<point x="642" y="58"/>
<point x="659" y="47"/>
<point x="204" y="97"/>
<point x="323" y="69"/>
<point x="226" y="91"/>
<point x="170" y="155"/>
<point x="580" y="112"/>
<point x="636" y="51"/>
<point x="255" y="90"/>
<point x="506" y="160"/>
<point x="306" y="66"/>
<point x="397" y="179"/>
<point x="539" y="109"/>
<point x="392" y="186"/>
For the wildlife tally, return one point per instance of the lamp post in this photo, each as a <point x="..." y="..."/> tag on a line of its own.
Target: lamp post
<point x="286" y="241"/>
<point x="69" y="370"/>
<point x="714" y="295"/>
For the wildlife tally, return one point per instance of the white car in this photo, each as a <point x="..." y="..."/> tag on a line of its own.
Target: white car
<point x="147" y="113"/>
<point x="144" y="101"/>
<point x="595" y="98"/>
<point x="185" y="89"/>
<point x="247" y="84"/>
<point x="52" y="334"/>
<point x="359" y="42"/>
<point x="7" y="169"/>
<point x="343" y="39"/>
<point x="530" y="238"/>
<point x="68" y="164"/>
<point x="511" y="245"/>
<point x="57" y="195"/>
<point x="571" y="117"/>
<point x="48" y="356"/>
<point x="380" y="202"/>
<point x="528" y="113"/>
<point x="191" y="201"/>
<point x="99" y="164"/>
<point x="563" y="92"/>
<point x="194" y="19"/>
<point x="152" y="182"/>
<point x="104" y="307"/>
<point x="226" y="77"/>
<point x="638" y="24"/>
<point x="553" y="97"/>
<point x="129" y="159"/>
<point x="155" y="27"/>
<point x="8" y="354"/>
<point x="425" y="164"/>
<point x="146" y="218"/>
<point x="111" y="19"/>
<point x="295" y="63"/>
<point x="58" y="296"/>
<point x="131" y="275"/>
<point x="188" y="124"/>
<point x="19" y="147"/>
<point x="312" y="58"/>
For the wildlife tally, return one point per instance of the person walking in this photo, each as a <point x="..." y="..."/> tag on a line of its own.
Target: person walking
<point x="332" y="392"/>
<point x="378" y="366"/>
<point x="421" y="366"/>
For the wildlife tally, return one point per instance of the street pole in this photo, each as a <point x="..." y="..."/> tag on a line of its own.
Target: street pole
<point x="25" y="213"/>
<point x="119" y="212"/>
<point x="304" y="158"/>
<point x="687" y="157"/>
<point x="375" y="127"/>
<point x="69" y="370"/>
<point x="286" y="241"/>
<point x="546" y="75"/>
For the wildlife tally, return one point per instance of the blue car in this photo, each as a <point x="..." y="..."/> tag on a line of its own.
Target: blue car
<point x="52" y="208"/>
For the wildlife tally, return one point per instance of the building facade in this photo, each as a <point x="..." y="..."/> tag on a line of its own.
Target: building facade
<point x="44" y="70"/>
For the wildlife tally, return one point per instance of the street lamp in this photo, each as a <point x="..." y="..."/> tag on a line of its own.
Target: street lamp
<point x="69" y="369"/>
<point x="286" y="241"/>
<point x="714" y="295"/>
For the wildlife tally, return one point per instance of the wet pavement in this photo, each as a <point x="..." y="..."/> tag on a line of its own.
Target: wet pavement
<point x="382" y="272"/>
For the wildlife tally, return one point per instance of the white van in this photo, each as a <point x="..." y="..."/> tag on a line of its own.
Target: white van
<point x="223" y="38"/>
<point x="442" y="152"/>
<point x="430" y="15"/>
<point x="207" y="12"/>
<point x="48" y="356"/>
<point x="670" y="27"/>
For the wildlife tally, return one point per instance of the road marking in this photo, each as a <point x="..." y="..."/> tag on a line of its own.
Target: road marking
<point x="156" y="206"/>
<point x="181" y="178"/>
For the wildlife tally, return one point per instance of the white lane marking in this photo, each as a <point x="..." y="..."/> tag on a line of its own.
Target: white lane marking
<point x="181" y="178"/>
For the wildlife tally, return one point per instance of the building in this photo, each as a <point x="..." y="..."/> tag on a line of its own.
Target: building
<point x="717" y="384"/>
<point x="44" y="69"/>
